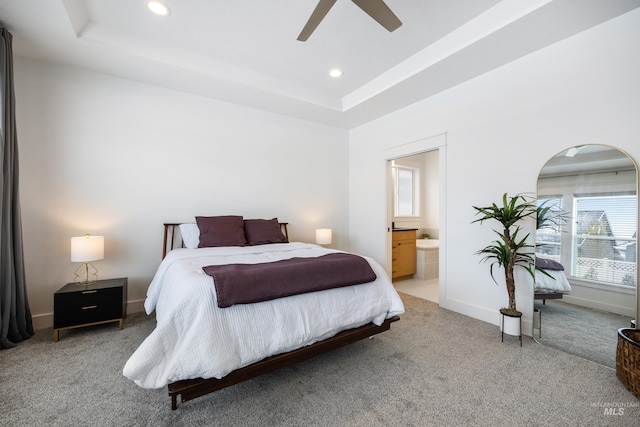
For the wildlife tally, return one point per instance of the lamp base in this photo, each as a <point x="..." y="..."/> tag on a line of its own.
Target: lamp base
<point x="90" y="274"/>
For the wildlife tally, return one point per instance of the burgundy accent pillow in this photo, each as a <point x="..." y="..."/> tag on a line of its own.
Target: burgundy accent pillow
<point x="263" y="231"/>
<point x="221" y="231"/>
<point x="548" y="264"/>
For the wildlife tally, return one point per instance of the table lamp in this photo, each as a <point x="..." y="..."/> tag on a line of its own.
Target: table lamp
<point x="323" y="236"/>
<point x="84" y="249"/>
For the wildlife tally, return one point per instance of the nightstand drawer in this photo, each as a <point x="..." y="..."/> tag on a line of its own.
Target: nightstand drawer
<point x="83" y="298"/>
<point x="89" y="313"/>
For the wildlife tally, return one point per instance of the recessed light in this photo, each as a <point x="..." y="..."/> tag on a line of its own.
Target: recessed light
<point x="335" y="72"/>
<point x="158" y="7"/>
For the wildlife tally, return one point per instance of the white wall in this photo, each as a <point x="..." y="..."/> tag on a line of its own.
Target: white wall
<point x="501" y="128"/>
<point x="112" y="157"/>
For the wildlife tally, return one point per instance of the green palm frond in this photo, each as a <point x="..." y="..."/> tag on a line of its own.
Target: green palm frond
<point x="513" y="209"/>
<point x="499" y="253"/>
<point x="550" y="216"/>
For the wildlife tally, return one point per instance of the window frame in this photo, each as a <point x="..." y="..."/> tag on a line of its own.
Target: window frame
<point x="577" y="273"/>
<point x="415" y="196"/>
<point x="568" y="251"/>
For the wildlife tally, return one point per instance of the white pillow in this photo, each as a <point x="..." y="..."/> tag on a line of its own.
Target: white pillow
<point x="190" y="235"/>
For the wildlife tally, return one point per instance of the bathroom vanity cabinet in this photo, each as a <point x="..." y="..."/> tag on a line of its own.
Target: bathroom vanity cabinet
<point x="403" y="253"/>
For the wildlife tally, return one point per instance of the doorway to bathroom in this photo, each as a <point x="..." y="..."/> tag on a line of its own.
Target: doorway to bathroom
<point x="414" y="207"/>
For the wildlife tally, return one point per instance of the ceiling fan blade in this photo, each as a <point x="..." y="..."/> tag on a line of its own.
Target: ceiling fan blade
<point x="378" y="10"/>
<point x="317" y="16"/>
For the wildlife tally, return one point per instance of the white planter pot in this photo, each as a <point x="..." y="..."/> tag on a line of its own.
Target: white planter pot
<point x="511" y="325"/>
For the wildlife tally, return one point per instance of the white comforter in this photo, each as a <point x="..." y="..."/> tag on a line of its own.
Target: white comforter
<point x="194" y="338"/>
<point x="556" y="283"/>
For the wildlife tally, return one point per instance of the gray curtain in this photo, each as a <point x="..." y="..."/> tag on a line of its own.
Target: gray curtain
<point x="15" y="317"/>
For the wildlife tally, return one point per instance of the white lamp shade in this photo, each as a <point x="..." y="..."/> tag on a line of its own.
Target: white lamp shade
<point x="87" y="248"/>
<point x="323" y="236"/>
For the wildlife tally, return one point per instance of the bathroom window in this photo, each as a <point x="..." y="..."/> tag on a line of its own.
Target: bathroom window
<point x="406" y="191"/>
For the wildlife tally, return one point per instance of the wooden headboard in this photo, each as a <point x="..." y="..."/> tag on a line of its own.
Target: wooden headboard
<point x="173" y="240"/>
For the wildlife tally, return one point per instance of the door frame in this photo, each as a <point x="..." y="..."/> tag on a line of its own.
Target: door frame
<point x="436" y="142"/>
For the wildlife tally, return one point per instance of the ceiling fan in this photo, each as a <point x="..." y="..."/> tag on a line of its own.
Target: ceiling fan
<point x="377" y="9"/>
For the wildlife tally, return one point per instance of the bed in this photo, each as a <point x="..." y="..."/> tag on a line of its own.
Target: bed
<point x="198" y="347"/>
<point x="553" y="283"/>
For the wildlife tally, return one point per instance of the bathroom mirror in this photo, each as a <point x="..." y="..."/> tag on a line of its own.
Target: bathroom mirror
<point x="586" y="240"/>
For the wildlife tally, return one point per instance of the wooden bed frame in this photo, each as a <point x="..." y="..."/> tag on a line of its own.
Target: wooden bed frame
<point x="544" y="296"/>
<point x="192" y="388"/>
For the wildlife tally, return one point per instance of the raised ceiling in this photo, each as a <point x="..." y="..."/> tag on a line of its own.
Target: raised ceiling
<point x="587" y="159"/>
<point x="246" y="52"/>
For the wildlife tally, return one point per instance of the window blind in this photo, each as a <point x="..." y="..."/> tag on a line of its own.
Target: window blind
<point x="604" y="239"/>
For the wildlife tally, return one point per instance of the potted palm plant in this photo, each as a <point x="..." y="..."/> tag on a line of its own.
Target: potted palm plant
<point x="509" y="250"/>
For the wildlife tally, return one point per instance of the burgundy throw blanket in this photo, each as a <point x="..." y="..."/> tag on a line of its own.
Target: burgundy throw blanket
<point x="249" y="283"/>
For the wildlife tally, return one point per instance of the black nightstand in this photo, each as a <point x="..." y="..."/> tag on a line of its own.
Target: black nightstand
<point x="75" y="306"/>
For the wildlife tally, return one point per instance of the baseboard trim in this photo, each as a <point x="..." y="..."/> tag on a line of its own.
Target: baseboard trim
<point x="602" y="306"/>
<point x="482" y="313"/>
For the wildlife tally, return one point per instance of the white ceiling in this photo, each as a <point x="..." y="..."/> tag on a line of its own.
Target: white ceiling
<point x="246" y="52"/>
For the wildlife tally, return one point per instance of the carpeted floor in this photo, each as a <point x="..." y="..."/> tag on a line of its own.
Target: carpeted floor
<point x="434" y="367"/>
<point x="588" y="333"/>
